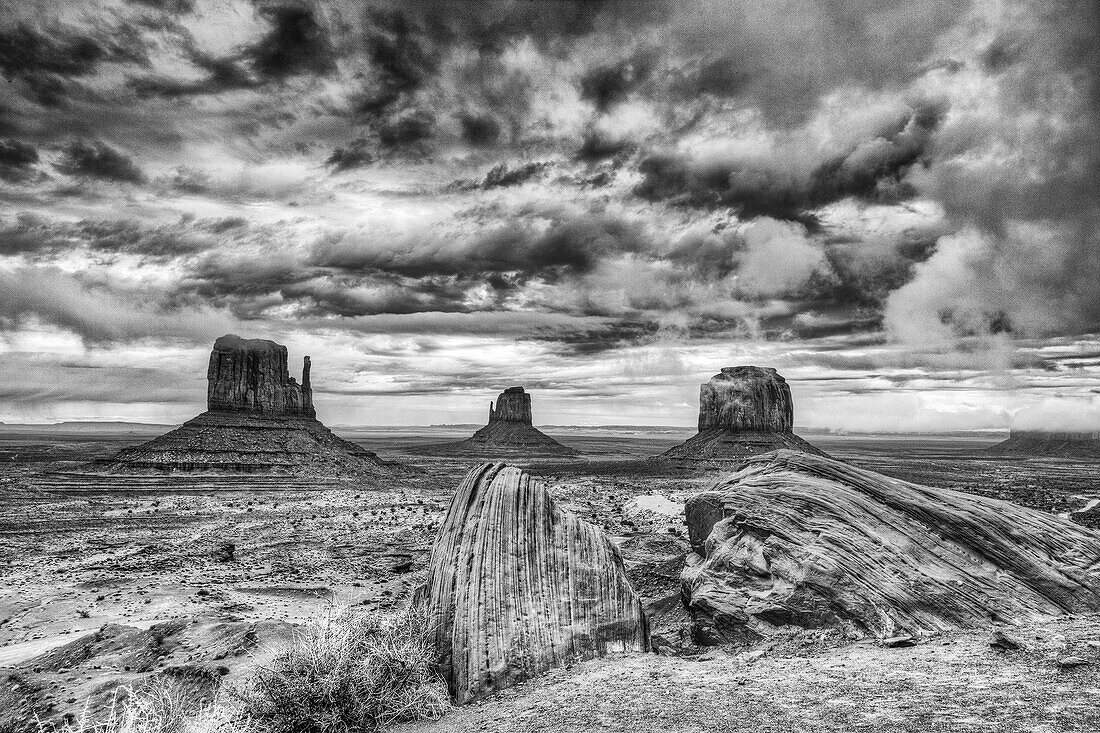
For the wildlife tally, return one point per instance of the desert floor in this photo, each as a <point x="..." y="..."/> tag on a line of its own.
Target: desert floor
<point x="107" y="582"/>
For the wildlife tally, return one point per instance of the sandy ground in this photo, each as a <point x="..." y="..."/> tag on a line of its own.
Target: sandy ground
<point x="106" y="583"/>
<point x="947" y="683"/>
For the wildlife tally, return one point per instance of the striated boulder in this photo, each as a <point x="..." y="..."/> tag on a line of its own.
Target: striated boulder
<point x="803" y="540"/>
<point x="743" y="411"/>
<point x="518" y="586"/>
<point x="251" y="375"/>
<point x="1055" y="444"/>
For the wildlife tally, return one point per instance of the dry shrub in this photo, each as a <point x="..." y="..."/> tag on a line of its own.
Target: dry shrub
<point x="352" y="672"/>
<point x="158" y="709"/>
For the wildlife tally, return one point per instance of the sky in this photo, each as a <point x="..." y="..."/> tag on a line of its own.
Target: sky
<point x="895" y="204"/>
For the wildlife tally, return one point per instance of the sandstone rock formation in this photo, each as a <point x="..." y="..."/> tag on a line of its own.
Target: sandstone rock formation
<point x="517" y="586"/>
<point x="743" y="411"/>
<point x="513" y="405"/>
<point x="798" y="539"/>
<point x="508" y="432"/>
<point x="1055" y="444"/>
<point x="250" y="375"/>
<point x="258" y="420"/>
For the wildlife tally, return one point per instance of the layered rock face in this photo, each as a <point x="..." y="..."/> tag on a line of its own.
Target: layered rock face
<point x="1080" y="444"/>
<point x="513" y="405"/>
<point x="516" y="586"/>
<point x="743" y="411"/>
<point x="250" y="375"/>
<point x="259" y="420"/>
<point x="803" y="540"/>
<point x="746" y="399"/>
<point x="508" y="432"/>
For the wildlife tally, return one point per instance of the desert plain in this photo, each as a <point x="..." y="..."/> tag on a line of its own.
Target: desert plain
<point x="110" y="581"/>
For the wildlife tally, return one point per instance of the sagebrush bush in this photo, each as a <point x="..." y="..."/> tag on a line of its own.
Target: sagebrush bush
<point x="158" y="709"/>
<point x="351" y="672"/>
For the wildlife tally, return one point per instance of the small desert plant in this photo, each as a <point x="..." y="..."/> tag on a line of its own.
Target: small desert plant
<point x="351" y="672"/>
<point x="157" y="709"/>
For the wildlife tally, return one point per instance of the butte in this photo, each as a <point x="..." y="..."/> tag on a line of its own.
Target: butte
<point x="1050" y="444"/>
<point x="258" y="420"/>
<point x="743" y="411"/>
<point x="508" y="432"/>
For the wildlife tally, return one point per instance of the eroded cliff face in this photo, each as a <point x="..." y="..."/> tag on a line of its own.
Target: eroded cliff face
<point x="743" y="411"/>
<point x="512" y="405"/>
<point x="250" y="375"/>
<point x="748" y="398"/>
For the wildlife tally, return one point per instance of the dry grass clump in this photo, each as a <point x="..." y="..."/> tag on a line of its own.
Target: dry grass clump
<point x="158" y="709"/>
<point x="352" y="672"/>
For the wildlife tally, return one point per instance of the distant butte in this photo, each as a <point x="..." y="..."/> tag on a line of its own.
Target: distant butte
<point x="1053" y="444"/>
<point x="508" y="432"/>
<point x="743" y="411"/>
<point x="259" y="419"/>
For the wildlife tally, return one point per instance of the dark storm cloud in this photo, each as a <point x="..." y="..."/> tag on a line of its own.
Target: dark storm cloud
<point x="503" y="176"/>
<point x="26" y="51"/>
<point x="873" y="170"/>
<point x="17" y="161"/>
<point x="570" y="244"/>
<point x="171" y="6"/>
<point x="608" y="84"/>
<point x="296" y="43"/>
<point x="96" y="159"/>
<point x="781" y="58"/>
<point x="479" y="130"/>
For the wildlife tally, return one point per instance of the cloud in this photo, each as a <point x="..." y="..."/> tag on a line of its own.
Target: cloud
<point x="97" y="312"/>
<point x="96" y="159"/>
<point x="17" y="160"/>
<point x="791" y="184"/>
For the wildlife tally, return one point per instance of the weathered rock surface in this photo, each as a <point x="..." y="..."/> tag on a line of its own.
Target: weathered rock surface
<point x="509" y="432"/>
<point x="518" y="586"/>
<point x="513" y="405"/>
<point x="1082" y="444"/>
<point x="743" y="411"/>
<point x="803" y="540"/>
<point x="259" y="420"/>
<point x="251" y="375"/>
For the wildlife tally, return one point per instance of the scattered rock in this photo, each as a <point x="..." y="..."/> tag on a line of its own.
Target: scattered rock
<point x="519" y="586"/>
<point x="653" y="512"/>
<point x="803" y="540"/>
<point x="1072" y="662"/>
<point x="1003" y="642"/>
<point x="743" y="411"/>
<point x="896" y="642"/>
